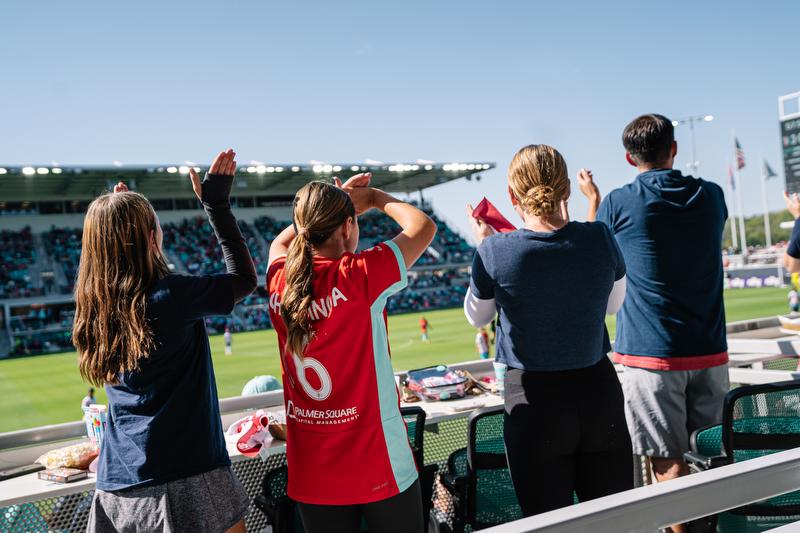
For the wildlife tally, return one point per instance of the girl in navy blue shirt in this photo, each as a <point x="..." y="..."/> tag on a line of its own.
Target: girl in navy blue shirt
<point x="140" y="331"/>
<point x="552" y="284"/>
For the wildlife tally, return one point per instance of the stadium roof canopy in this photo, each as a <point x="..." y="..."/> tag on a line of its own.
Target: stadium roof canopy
<point x="42" y="183"/>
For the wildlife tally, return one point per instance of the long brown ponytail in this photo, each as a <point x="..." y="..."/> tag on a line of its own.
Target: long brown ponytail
<point x="118" y="266"/>
<point x="319" y="209"/>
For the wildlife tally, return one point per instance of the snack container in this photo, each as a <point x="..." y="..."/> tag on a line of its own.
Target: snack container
<point x="62" y="475"/>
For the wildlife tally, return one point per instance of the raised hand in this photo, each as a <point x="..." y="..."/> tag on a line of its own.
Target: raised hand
<point x="359" y="190"/>
<point x="358" y="180"/>
<point x="120" y="187"/>
<point x="792" y="204"/>
<point x="587" y="185"/>
<point x="480" y="229"/>
<point x="216" y="186"/>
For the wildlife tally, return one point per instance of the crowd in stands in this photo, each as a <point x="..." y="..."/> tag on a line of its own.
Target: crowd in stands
<point x="428" y="279"/>
<point x="55" y="341"/>
<point x="411" y="300"/>
<point x="198" y="250"/>
<point x="43" y="317"/>
<point x="18" y="253"/>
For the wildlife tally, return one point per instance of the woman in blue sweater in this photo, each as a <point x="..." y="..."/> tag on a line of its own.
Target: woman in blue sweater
<point x="552" y="283"/>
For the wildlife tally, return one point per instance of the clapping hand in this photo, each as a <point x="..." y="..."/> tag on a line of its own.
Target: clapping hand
<point x="587" y="185"/>
<point x="215" y="187"/>
<point x="359" y="190"/>
<point x="120" y="187"/>
<point x="792" y="204"/>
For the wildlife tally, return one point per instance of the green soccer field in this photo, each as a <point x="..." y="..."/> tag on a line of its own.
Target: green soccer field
<point x="47" y="389"/>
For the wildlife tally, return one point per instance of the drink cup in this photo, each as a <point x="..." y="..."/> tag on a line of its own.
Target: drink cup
<point x="500" y="376"/>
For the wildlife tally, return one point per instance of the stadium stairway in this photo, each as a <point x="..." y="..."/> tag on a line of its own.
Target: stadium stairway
<point x="45" y="266"/>
<point x="262" y="243"/>
<point x="5" y="343"/>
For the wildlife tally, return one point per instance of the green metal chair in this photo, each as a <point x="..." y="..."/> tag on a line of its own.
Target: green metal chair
<point x="477" y="476"/>
<point x="282" y="512"/>
<point x="757" y="420"/>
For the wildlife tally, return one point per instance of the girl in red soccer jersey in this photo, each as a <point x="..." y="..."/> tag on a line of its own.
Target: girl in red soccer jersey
<point x="347" y="450"/>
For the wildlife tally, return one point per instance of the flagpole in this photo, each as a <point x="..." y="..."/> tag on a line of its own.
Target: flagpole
<point x="732" y="215"/>
<point x="742" y="234"/>
<point x="767" y="232"/>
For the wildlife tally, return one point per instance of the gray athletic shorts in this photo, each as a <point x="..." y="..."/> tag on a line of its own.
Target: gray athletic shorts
<point x="664" y="407"/>
<point x="212" y="502"/>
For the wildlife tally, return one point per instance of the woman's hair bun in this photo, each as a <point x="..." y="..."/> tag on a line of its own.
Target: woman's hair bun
<point x="540" y="200"/>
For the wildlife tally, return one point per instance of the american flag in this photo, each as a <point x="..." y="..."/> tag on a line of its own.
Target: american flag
<point x="739" y="154"/>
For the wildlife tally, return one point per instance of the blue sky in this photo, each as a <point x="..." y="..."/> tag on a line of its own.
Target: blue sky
<point x="286" y="82"/>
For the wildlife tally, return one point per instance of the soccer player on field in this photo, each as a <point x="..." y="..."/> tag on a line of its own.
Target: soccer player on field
<point x="347" y="450"/>
<point x="423" y="327"/>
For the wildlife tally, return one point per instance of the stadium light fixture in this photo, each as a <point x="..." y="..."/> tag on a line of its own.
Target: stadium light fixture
<point x="3" y="171"/>
<point x="295" y="169"/>
<point x="428" y="167"/>
<point x="261" y="169"/>
<point x="354" y="168"/>
<point x="56" y="170"/>
<point x="278" y="169"/>
<point x="327" y="169"/>
<point x="43" y="170"/>
<point x="183" y="170"/>
<point x="317" y="169"/>
<point x="337" y="168"/>
<point x="172" y="170"/>
<point x="29" y="171"/>
<point x="690" y="121"/>
<point x="251" y="170"/>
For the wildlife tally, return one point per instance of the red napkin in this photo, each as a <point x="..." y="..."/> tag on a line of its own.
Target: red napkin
<point x="489" y="214"/>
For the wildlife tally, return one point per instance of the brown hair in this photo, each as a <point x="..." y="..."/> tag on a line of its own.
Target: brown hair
<point x="319" y="208"/>
<point x="118" y="267"/>
<point x="648" y="139"/>
<point x="538" y="178"/>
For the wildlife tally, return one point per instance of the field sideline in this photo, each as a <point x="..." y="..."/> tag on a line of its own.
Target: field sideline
<point x="47" y="389"/>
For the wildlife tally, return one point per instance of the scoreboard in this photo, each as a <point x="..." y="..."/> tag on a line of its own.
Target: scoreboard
<point x="789" y="111"/>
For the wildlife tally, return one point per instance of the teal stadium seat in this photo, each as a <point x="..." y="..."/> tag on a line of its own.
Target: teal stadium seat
<point x="757" y="420"/>
<point x="478" y="478"/>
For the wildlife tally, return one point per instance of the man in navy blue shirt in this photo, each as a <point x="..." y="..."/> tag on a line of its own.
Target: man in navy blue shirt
<point x="671" y="327"/>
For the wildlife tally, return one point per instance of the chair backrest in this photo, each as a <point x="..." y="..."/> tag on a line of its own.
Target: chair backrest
<point x="759" y="420"/>
<point x="492" y="499"/>
<point x="414" y="417"/>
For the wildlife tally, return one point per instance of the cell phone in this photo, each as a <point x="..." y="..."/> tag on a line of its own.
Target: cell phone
<point x="20" y="471"/>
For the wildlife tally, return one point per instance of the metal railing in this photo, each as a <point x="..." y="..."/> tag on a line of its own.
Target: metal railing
<point x="74" y="430"/>
<point x="236" y="404"/>
<point x="656" y="506"/>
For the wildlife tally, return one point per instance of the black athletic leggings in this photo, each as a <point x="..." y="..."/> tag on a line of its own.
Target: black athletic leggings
<point x="398" y="514"/>
<point x="565" y="432"/>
